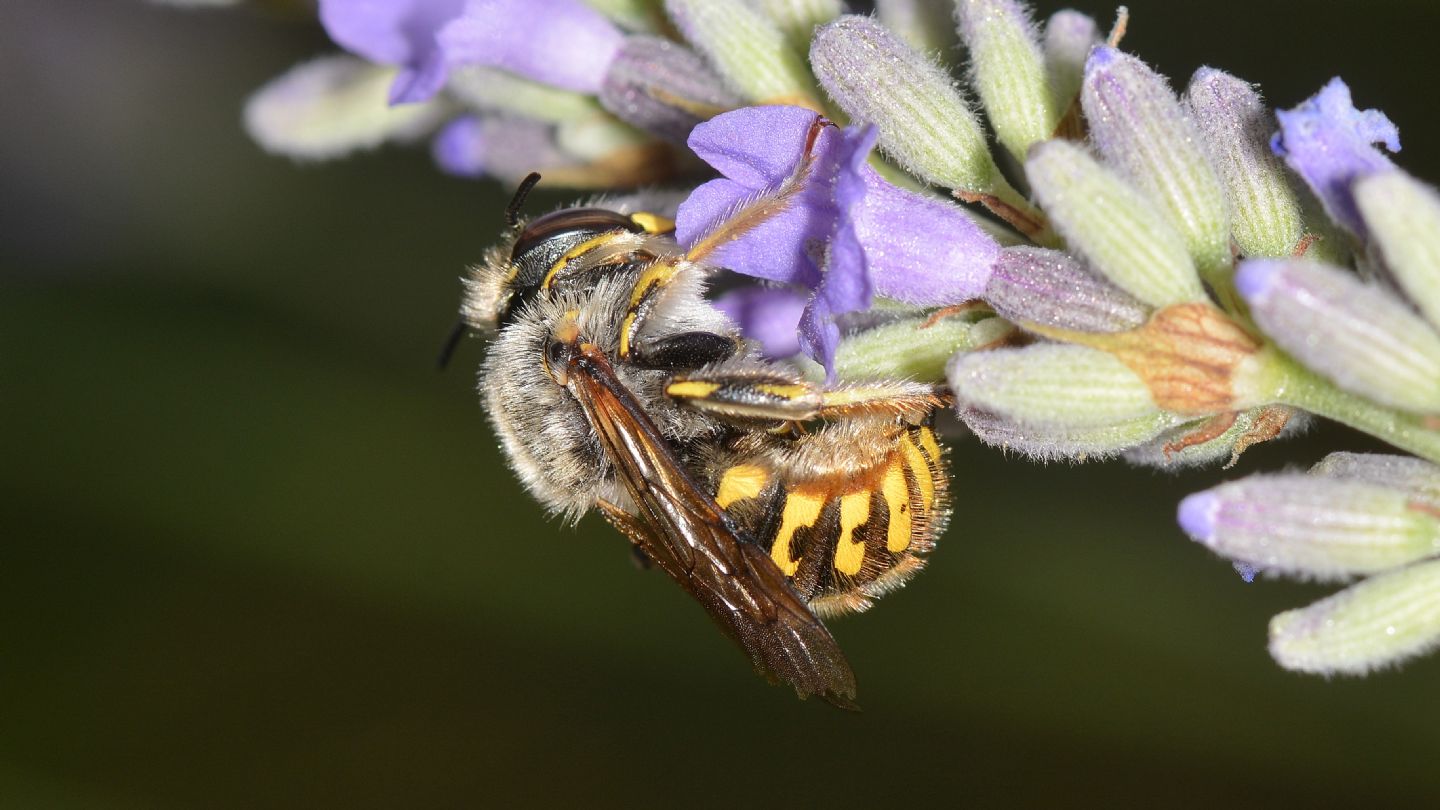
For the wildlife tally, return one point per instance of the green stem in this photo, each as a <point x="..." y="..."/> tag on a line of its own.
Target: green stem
<point x="1308" y="391"/>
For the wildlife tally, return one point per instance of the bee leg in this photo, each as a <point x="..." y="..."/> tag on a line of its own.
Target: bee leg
<point x="687" y="350"/>
<point x="746" y="394"/>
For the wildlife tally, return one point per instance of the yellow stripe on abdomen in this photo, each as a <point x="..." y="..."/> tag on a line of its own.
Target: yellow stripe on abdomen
<point x="801" y="509"/>
<point x="919" y="468"/>
<point x="897" y="496"/>
<point x="850" y="553"/>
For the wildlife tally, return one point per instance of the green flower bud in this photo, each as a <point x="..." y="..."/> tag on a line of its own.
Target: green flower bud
<point x="924" y="123"/>
<point x="798" y="18"/>
<point x="748" y="49"/>
<point x="1047" y="443"/>
<point x="1054" y="385"/>
<point x="1116" y="227"/>
<point x="1069" y="36"/>
<point x="1009" y="72"/>
<point x="1235" y="129"/>
<point x="492" y="89"/>
<point x="1374" y="624"/>
<point x="915" y="348"/>
<point x="1415" y="477"/>
<point x="1403" y="215"/>
<point x="332" y="106"/>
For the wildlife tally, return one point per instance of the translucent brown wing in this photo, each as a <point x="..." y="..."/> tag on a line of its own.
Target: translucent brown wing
<point x="690" y="537"/>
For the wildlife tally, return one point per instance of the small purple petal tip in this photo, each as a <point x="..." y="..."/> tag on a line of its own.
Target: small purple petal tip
<point x="1197" y="516"/>
<point x="1256" y="278"/>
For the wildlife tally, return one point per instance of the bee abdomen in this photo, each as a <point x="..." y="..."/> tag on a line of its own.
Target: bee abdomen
<point x="846" y="538"/>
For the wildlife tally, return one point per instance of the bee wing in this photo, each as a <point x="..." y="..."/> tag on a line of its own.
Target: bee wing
<point x="689" y="536"/>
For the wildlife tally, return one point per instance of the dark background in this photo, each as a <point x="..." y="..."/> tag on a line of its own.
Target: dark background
<point x="254" y="550"/>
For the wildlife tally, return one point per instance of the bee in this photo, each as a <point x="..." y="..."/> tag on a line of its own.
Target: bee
<point x="614" y="385"/>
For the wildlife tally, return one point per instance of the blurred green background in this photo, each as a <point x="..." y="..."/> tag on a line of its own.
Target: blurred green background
<point x="257" y="552"/>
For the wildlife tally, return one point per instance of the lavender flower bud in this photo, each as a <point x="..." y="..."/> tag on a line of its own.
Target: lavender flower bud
<point x="1031" y="285"/>
<point x="1050" y="384"/>
<point x="1377" y="623"/>
<point x="1047" y="443"/>
<point x="1417" y="478"/>
<point x="924" y="123"/>
<point x="1112" y="224"/>
<point x="1139" y="126"/>
<point x="1316" y="527"/>
<point x="1069" y="36"/>
<point x="332" y="106"/>
<point x="748" y="49"/>
<point x="925" y="25"/>
<point x="798" y="18"/>
<point x="1009" y="72"/>
<point x="1357" y="334"/>
<point x="1235" y="129"/>
<point x="662" y="87"/>
<point x="1403" y="215"/>
<point x="914" y="348"/>
<point x="490" y="89"/>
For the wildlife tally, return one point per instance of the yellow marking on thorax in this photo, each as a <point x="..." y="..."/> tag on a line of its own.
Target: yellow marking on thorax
<point x="801" y="509"/>
<point x="927" y="441"/>
<point x="691" y="389"/>
<point x="739" y="483"/>
<point x="653" y="223"/>
<point x="574" y="253"/>
<point x="854" y="511"/>
<point x="897" y="497"/>
<point x="921" y="470"/>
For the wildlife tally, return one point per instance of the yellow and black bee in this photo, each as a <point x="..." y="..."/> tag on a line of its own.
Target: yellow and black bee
<point x="614" y="385"/>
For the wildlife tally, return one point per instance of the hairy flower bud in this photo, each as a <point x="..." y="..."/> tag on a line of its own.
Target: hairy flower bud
<point x="1032" y="285"/>
<point x="1357" y="334"/>
<point x="1069" y="36"/>
<point x="1311" y="526"/>
<point x="1052" y="385"/>
<point x="1403" y="215"/>
<point x="1235" y="129"/>
<point x="1415" y="477"/>
<point x="1113" y="225"/>
<point x="1009" y="72"/>
<point x="663" y="88"/>
<point x="1139" y="125"/>
<point x="924" y="122"/>
<point x="1374" y="624"/>
<point x="748" y="48"/>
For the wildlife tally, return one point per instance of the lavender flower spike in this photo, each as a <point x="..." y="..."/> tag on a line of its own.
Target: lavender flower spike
<point x="1331" y="144"/>
<point x="1311" y="526"/>
<point x="1377" y="623"/>
<point x="1009" y="72"/>
<point x="1265" y="211"/>
<point x="1139" y="126"/>
<point x="925" y="124"/>
<point x="1357" y="334"/>
<point x="1403" y="215"/>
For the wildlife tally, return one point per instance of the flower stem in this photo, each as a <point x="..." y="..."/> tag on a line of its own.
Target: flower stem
<point x="1308" y="391"/>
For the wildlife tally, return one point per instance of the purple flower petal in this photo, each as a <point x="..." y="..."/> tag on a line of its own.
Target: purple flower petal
<point x="770" y="315"/>
<point x="846" y="233"/>
<point x="1331" y="144"/>
<point x="561" y="42"/>
<point x="395" y="32"/>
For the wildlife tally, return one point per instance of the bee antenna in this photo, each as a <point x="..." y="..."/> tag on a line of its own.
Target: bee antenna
<point x="452" y="341"/>
<point x="512" y="211"/>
